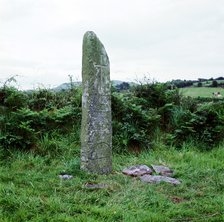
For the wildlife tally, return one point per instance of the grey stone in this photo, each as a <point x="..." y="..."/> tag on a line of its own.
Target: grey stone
<point x="158" y="179"/>
<point x="96" y="130"/>
<point x="96" y="186"/>
<point x="65" y="176"/>
<point x="137" y="170"/>
<point x="162" y="170"/>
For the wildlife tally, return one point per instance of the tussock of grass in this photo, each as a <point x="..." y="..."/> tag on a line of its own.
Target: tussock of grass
<point x="30" y="189"/>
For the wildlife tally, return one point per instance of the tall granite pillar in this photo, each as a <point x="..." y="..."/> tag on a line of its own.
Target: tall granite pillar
<point x="96" y="130"/>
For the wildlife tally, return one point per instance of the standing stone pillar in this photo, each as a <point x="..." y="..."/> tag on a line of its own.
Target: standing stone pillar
<point x="96" y="130"/>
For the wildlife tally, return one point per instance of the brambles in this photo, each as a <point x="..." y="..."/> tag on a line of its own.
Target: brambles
<point x="139" y="116"/>
<point x="27" y="117"/>
<point x="133" y="125"/>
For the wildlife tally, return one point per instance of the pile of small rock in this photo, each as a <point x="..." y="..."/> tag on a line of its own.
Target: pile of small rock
<point x="153" y="174"/>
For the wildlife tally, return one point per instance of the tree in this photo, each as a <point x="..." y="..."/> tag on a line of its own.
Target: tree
<point x="200" y="84"/>
<point x="214" y="83"/>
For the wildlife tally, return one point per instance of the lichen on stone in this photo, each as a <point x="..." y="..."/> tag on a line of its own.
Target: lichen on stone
<point x="96" y="130"/>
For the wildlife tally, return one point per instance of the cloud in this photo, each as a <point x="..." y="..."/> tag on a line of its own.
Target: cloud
<point x="42" y="40"/>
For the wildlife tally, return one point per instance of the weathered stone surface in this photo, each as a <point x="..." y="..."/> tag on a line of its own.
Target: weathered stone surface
<point x="137" y="170"/>
<point x="96" y="186"/>
<point x="65" y="176"/>
<point x="162" y="170"/>
<point x="158" y="179"/>
<point x="96" y="130"/>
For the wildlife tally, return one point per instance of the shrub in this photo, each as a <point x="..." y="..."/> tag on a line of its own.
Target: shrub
<point x="28" y="120"/>
<point x="214" y="83"/>
<point x="16" y="129"/>
<point x="23" y="123"/>
<point x="153" y="93"/>
<point x="12" y="99"/>
<point x="132" y="124"/>
<point x="199" y="84"/>
<point x="205" y="125"/>
<point x="42" y="99"/>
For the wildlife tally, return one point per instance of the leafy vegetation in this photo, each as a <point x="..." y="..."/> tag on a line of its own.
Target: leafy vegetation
<point x="218" y="82"/>
<point x="25" y="118"/>
<point x="138" y="114"/>
<point x="204" y="126"/>
<point x="153" y="123"/>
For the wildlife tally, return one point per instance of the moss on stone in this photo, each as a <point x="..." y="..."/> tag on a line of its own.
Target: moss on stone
<point x="96" y="131"/>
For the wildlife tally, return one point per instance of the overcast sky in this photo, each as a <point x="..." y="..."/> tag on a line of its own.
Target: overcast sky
<point x="41" y="40"/>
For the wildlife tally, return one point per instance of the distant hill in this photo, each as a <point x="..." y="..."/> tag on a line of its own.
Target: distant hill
<point x="66" y="86"/>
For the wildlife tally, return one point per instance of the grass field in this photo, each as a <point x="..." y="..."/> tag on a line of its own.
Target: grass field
<point x="209" y="82"/>
<point x="30" y="189"/>
<point x="200" y="91"/>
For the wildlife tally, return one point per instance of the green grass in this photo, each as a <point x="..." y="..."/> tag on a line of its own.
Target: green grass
<point x="200" y="91"/>
<point x="30" y="189"/>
